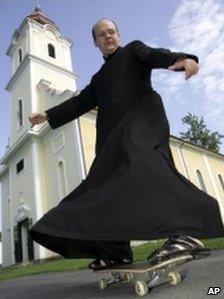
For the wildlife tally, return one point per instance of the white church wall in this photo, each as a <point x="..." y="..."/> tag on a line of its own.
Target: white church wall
<point x="23" y="182"/>
<point x="71" y="157"/>
<point x="194" y="160"/>
<point x="43" y="182"/>
<point x="52" y="156"/>
<point x="42" y="177"/>
<point x="190" y="159"/>
<point x="59" y="81"/>
<point x="26" y="89"/>
<point x="48" y="167"/>
<point x="23" y="189"/>
<point x="22" y="44"/>
<point x="7" y="228"/>
<point x="88" y="133"/>
<point x="40" y="196"/>
<point x="175" y="149"/>
<point x="66" y="54"/>
<point x="39" y="45"/>
<point x="216" y="168"/>
<point x="20" y="90"/>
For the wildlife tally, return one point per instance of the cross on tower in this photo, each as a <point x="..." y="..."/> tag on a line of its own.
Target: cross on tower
<point x="37" y="3"/>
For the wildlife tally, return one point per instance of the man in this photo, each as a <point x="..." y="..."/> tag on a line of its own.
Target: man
<point x="133" y="190"/>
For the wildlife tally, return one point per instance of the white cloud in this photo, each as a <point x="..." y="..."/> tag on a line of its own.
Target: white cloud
<point x="198" y="27"/>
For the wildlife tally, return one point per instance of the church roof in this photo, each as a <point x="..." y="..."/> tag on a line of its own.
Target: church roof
<point x="40" y="17"/>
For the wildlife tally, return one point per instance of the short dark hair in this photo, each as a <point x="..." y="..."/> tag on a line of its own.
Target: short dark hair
<point x="98" y="22"/>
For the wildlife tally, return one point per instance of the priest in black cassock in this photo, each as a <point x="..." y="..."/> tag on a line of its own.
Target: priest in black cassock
<point x="133" y="190"/>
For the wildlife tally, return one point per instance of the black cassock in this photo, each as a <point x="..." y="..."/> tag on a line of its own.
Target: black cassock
<point x="133" y="190"/>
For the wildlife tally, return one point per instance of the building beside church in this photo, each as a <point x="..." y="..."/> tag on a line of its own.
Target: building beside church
<point x="40" y="165"/>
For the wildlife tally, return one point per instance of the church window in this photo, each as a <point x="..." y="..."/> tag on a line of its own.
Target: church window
<point x="20" y="55"/>
<point x="62" y="179"/>
<point x="20" y="112"/>
<point x="51" y="50"/>
<point x="201" y="181"/>
<point x="221" y="181"/>
<point x="19" y="166"/>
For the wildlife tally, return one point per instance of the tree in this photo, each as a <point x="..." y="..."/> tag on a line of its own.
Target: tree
<point x="199" y="134"/>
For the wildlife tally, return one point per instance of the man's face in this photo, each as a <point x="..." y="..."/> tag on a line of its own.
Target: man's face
<point x="106" y="37"/>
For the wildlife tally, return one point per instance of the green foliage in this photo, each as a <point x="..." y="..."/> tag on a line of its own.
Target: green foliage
<point x="198" y="133"/>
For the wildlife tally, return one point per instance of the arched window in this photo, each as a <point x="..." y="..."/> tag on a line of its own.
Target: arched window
<point x="51" y="50"/>
<point x="20" y="55"/>
<point x="201" y="180"/>
<point x="62" y="179"/>
<point x="20" y="112"/>
<point x="221" y="181"/>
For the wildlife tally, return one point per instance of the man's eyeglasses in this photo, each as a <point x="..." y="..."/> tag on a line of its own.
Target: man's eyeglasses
<point x="104" y="34"/>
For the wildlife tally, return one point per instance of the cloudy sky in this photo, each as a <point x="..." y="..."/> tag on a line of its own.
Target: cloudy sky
<point x="192" y="26"/>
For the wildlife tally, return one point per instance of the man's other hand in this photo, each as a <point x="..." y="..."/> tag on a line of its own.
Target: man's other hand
<point x="37" y="118"/>
<point x="189" y="65"/>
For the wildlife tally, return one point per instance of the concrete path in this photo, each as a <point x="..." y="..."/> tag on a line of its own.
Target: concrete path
<point x="200" y="275"/>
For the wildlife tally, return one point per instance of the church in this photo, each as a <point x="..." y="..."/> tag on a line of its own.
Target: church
<point x="41" y="166"/>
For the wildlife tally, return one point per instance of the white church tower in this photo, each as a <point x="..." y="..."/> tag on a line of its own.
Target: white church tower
<point x="40" y="165"/>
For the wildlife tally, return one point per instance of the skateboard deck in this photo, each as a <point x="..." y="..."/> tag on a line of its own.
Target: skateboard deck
<point x="144" y="276"/>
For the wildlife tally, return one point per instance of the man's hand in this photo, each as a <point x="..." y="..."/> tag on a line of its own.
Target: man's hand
<point x="37" y="118"/>
<point x="189" y="65"/>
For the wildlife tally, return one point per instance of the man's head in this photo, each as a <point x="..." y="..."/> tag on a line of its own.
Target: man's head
<point x="106" y="36"/>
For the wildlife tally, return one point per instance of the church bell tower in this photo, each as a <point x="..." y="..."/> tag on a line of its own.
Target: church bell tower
<point x="39" y="54"/>
<point x="40" y="165"/>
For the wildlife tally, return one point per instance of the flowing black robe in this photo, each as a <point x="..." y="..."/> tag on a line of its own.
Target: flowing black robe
<point x="133" y="190"/>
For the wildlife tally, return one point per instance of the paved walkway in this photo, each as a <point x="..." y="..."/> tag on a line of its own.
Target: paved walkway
<point x="200" y="275"/>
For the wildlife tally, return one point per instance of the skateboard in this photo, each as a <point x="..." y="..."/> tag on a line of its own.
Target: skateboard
<point x="145" y="276"/>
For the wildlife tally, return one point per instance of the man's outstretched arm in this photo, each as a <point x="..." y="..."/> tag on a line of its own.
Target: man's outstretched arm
<point x="68" y="110"/>
<point x="164" y="58"/>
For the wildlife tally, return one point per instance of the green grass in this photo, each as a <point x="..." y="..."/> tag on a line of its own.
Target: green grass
<point x="140" y="254"/>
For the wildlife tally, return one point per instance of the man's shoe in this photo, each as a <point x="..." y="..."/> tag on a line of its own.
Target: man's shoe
<point x="179" y="245"/>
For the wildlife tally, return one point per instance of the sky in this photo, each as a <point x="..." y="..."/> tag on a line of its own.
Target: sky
<point x="191" y="26"/>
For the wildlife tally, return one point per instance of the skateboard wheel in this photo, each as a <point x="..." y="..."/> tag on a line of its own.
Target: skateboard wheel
<point x="141" y="288"/>
<point x="128" y="277"/>
<point x="174" y="278"/>
<point x="102" y="284"/>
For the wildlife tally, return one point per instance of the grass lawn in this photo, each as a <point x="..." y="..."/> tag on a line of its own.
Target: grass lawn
<point x="140" y="254"/>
